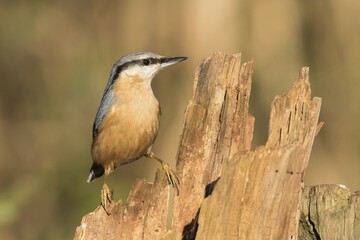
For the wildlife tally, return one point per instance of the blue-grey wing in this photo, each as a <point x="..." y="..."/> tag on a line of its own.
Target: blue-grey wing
<point x="108" y="98"/>
<point x="106" y="102"/>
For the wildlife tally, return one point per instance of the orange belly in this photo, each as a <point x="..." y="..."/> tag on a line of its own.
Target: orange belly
<point x="126" y="134"/>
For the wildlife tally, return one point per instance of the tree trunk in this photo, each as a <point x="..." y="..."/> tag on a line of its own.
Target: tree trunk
<point x="329" y="212"/>
<point x="226" y="191"/>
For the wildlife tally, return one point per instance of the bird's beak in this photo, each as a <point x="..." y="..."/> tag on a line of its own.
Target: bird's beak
<point x="167" y="61"/>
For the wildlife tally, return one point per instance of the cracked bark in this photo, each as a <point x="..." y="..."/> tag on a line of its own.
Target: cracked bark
<point x="329" y="212"/>
<point x="266" y="184"/>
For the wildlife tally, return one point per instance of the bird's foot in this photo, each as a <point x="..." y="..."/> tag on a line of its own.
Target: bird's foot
<point x="106" y="197"/>
<point x="172" y="177"/>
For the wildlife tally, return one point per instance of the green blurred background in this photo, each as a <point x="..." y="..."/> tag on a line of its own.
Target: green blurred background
<point x="55" y="61"/>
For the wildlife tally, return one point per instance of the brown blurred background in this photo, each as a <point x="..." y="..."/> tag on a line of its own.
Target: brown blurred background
<point x="55" y="62"/>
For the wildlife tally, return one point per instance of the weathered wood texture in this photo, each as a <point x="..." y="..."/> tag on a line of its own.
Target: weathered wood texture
<point x="258" y="193"/>
<point x="144" y="216"/>
<point x="329" y="212"/>
<point x="217" y="125"/>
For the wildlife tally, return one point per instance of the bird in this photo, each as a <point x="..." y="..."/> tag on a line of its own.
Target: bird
<point x="127" y="121"/>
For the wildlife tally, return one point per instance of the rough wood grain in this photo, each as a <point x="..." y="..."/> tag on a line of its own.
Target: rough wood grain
<point x="217" y="125"/>
<point x="144" y="215"/>
<point x="258" y="194"/>
<point x="329" y="212"/>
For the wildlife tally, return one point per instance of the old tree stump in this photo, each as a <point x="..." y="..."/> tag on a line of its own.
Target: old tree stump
<point x="228" y="191"/>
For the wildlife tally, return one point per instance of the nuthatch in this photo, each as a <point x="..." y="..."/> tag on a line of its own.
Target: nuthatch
<point x="127" y="122"/>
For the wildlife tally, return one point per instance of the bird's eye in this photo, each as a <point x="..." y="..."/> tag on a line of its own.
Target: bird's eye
<point x="146" y="62"/>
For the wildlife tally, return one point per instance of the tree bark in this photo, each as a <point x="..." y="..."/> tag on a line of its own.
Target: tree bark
<point x="329" y="212"/>
<point x="217" y="125"/>
<point x="226" y="191"/>
<point x="266" y="184"/>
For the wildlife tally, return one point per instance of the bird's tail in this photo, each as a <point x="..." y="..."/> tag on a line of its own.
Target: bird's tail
<point x="96" y="171"/>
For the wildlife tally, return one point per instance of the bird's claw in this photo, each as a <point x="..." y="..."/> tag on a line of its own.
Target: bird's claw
<point x="106" y="197"/>
<point x="172" y="177"/>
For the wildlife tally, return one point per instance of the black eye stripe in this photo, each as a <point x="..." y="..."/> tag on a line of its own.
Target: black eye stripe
<point x="147" y="61"/>
<point x="143" y="62"/>
<point x="116" y="71"/>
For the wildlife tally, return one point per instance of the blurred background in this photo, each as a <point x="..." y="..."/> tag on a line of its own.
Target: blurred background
<point x="56" y="56"/>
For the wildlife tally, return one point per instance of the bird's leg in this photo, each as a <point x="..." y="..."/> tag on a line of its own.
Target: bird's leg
<point x="172" y="177"/>
<point x="106" y="192"/>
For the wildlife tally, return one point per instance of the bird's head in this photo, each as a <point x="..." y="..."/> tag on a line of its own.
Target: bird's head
<point x="141" y="65"/>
